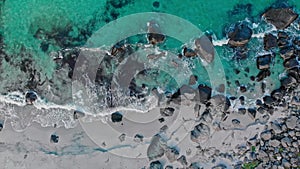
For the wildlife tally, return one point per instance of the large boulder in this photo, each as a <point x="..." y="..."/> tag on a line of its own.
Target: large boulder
<point x="270" y="41"/>
<point x="239" y="34"/>
<point x="281" y="18"/>
<point x="205" y="49"/>
<point x="263" y="62"/>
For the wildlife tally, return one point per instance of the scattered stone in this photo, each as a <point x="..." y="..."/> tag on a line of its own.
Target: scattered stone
<point x="30" y="97"/>
<point x="166" y="112"/>
<point x="172" y="154"/>
<point x="116" y="117"/>
<point x="242" y="111"/>
<point x="277" y="94"/>
<point x="286" y="142"/>
<point x="220" y="102"/>
<point x="156" y="165"/>
<point x="242" y="100"/>
<point x="54" y="138"/>
<point x="263" y="62"/>
<point x="266" y="135"/>
<point x="78" y="114"/>
<point x="205" y="49"/>
<point x="138" y="138"/>
<point x="200" y="133"/>
<point x="122" y="137"/>
<point x="274" y="143"/>
<point x="270" y="41"/>
<point x="239" y="34"/>
<point x="206" y="116"/>
<point x="281" y="18"/>
<point x="291" y="122"/>
<point x="235" y="122"/>
<point x="182" y="160"/>
<point x="161" y="120"/>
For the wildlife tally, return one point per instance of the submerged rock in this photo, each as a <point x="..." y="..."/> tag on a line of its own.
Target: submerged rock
<point x="205" y="49"/>
<point x="172" y="154"/>
<point x="239" y="34"/>
<point x="281" y="18"/>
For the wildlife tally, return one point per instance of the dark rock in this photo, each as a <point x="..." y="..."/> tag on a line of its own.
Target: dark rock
<point x="195" y="165"/>
<point x="263" y="62"/>
<point x="263" y="87"/>
<point x="182" y="160"/>
<point x="44" y="46"/>
<point x="166" y="112"/>
<point x="156" y="165"/>
<point x="1" y="126"/>
<point x="258" y="102"/>
<point x="187" y="52"/>
<point x="204" y="93"/>
<point x="243" y="89"/>
<point x="239" y="34"/>
<point x="282" y="34"/>
<point x="295" y="73"/>
<point x="116" y="117"/>
<point x="232" y="98"/>
<point x="54" y="138"/>
<point x="161" y="120"/>
<point x="242" y="100"/>
<point x="288" y="82"/>
<point x="262" y="74"/>
<point x="268" y="100"/>
<point x="30" y="97"/>
<point x="291" y="63"/>
<point x="155" y="4"/>
<point x="287" y="52"/>
<point x="205" y="49"/>
<point x="270" y="41"/>
<point x="252" y="112"/>
<point x="277" y="94"/>
<point x="252" y="78"/>
<point x="281" y="18"/>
